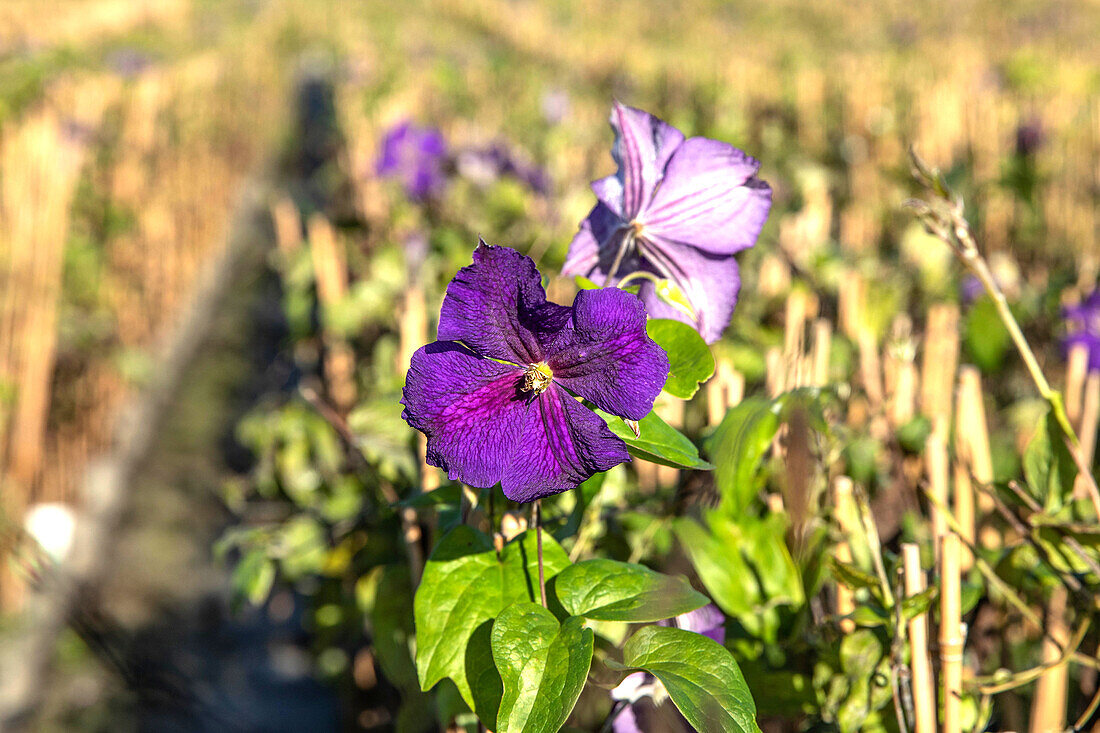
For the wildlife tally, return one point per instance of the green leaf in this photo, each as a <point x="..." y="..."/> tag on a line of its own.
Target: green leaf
<point x="700" y="675"/>
<point x="737" y="446"/>
<point x="584" y="283"/>
<point x="670" y="292"/>
<point x="852" y="576"/>
<point x="986" y="338"/>
<point x="254" y="576"/>
<point x="745" y="566"/>
<point x="915" y="605"/>
<point x="463" y="588"/>
<point x="543" y="667"/>
<point x="657" y="442"/>
<point x="1048" y="466"/>
<point x="690" y="361"/>
<point x="606" y="590"/>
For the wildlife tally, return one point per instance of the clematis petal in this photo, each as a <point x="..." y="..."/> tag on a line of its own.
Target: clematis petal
<point x="643" y="145"/>
<point x="605" y="355"/>
<point x="710" y="282"/>
<point x="709" y="198"/>
<point x="497" y="307"/>
<point x="470" y="409"/>
<point x="594" y="246"/>
<point x="707" y="621"/>
<point x="562" y="444"/>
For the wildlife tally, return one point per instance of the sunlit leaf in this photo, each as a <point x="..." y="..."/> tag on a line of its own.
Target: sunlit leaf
<point x="607" y="590"/>
<point x="701" y="677"/>
<point x="690" y="360"/>
<point x="657" y="442"/>
<point x="543" y="667"/>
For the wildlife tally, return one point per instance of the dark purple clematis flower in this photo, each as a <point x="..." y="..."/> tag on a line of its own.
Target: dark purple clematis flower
<point x="494" y="395"/>
<point x="677" y="210"/>
<point x="416" y="156"/>
<point x="485" y="165"/>
<point x="640" y="693"/>
<point x="1083" y="321"/>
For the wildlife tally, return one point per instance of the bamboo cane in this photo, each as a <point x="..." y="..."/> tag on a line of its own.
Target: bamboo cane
<point x="951" y="636"/>
<point x="924" y="691"/>
<point x="1048" y="708"/>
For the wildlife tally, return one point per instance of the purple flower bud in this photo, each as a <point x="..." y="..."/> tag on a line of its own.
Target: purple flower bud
<point x="1030" y="136"/>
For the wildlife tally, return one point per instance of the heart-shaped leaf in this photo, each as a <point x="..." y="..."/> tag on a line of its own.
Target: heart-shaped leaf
<point x="463" y="588"/>
<point x="690" y="361"/>
<point x="700" y="675"/>
<point x="543" y="666"/>
<point x="606" y="590"/>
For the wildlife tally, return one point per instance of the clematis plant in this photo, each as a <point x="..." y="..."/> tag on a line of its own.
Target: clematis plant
<point x="495" y="396"/>
<point x="672" y="217"/>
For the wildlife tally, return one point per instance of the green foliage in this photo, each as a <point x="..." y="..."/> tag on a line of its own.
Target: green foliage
<point x="737" y="447"/>
<point x="657" y="442"/>
<point x="1048" y="465"/>
<point x="746" y="567"/>
<point x="543" y="667"/>
<point x="689" y="357"/>
<point x="987" y="340"/>
<point x="465" y="585"/>
<point x="701" y="677"/>
<point x="607" y="590"/>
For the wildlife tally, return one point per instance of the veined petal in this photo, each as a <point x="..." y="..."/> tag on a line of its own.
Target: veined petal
<point x="605" y="355"/>
<point x="594" y="246"/>
<point x="710" y="282"/>
<point x="709" y="198"/>
<point x="470" y="409"/>
<point x="497" y="306"/>
<point x="643" y="145"/>
<point x="563" y="443"/>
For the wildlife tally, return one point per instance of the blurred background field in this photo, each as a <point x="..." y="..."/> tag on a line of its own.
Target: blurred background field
<point x="138" y="139"/>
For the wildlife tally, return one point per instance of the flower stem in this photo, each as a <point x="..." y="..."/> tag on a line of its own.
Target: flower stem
<point x="538" y="544"/>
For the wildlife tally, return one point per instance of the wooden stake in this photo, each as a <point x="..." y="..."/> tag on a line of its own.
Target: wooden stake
<point x="331" y="273"/>
<point x="288" y="224"/>
<point x="844" y="506"/>
<point x="973" y="457"/>
<point x="941" y="354"/>
<point x="1076" y="372"/>
<point x="924" y="691"/>
<point x="1048" y="708"/>
<point x="823" y="340"/>
<point x="951" y="635"/>
<point x="935" y="455"/>
<point x="1090" y="415"/>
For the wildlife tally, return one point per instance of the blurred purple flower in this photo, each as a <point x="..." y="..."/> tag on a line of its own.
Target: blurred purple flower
<point x="677" y="211"/>
<point x="128" y="62"/>
<point x="416" y="156"/>
<point x="485" y="165"/>
<point x="494" y="395"/>
<point x="1083" y="322"/>
<point x="1030" y="136"/>
<point x="637" y="686"/>
<point x="970" y="289"/>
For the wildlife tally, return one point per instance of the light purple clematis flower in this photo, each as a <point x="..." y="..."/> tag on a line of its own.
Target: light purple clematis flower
<point x="677" y="210"/>
<point x="495" y="394"/>
<point x="636" y="712"/>
<point x="416" y="156"/>
<point x="1083" y="321"/>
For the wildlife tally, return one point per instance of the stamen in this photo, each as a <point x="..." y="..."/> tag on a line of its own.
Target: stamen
<point x="537" y="378"/>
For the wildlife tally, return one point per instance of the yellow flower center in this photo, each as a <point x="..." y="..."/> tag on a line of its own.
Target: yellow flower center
<point x="537" y="378"/>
